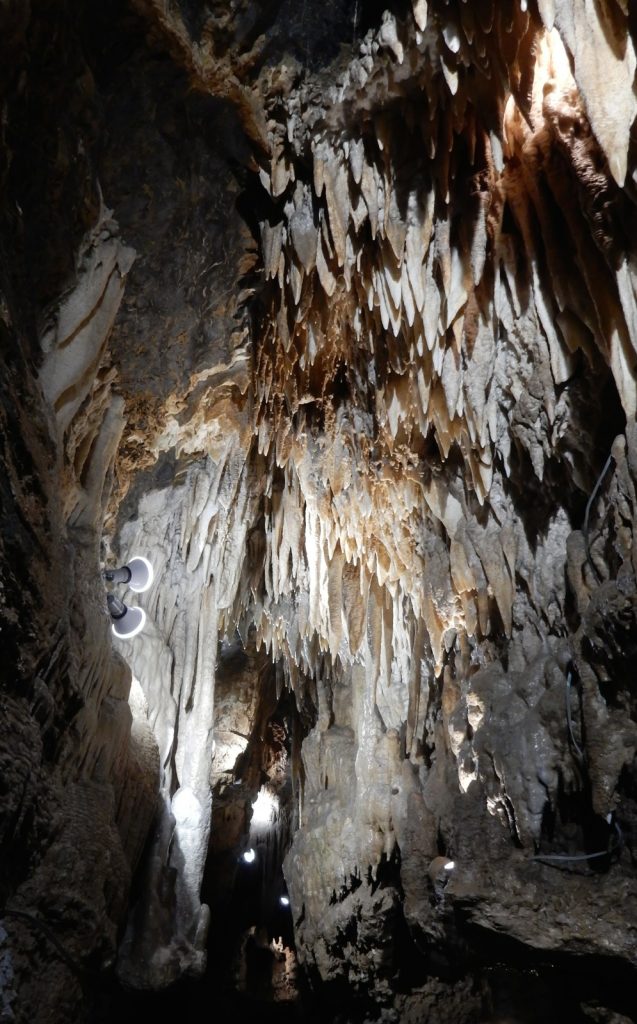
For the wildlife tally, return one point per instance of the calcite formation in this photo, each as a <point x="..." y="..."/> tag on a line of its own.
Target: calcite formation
<point x="346" y="345"/>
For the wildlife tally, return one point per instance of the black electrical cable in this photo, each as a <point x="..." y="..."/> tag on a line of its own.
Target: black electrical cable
<point x="568" y="858"/>
<point x="576" y="747"/>
<point x="83" y="973"/>
<point x="587" y="513"/>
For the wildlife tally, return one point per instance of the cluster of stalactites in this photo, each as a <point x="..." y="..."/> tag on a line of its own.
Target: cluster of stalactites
<point x="420" y="326"/>
<point x="351" y="577"/>
<point x="394" y="275"/>
<point x="424" y="314"/>
<point x="377" y="261"/>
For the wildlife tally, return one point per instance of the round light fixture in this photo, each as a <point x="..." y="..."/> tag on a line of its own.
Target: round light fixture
<point x="141" y="574"/>
<point x="284" y="901"/>
<point x="249" y="856"/>
<point x="137" y="573"/>
<point x="127" y="622"/>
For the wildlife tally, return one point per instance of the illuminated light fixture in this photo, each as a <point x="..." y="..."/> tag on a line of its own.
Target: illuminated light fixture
<point x="450" y="865"/>
<point x="137" y="573"/>
<point x="284" y="901"/>
<point x="264" y="808"/>
<point x="127" y="622"/>
<point x="249" y="856"/>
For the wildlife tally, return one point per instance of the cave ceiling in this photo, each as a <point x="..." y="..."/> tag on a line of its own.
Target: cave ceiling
<point x="330" y="310"/>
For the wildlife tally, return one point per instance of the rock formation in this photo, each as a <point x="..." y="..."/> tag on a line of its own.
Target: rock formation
<point x="330" y="310"/>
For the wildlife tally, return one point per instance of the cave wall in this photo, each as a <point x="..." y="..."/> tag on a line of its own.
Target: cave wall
<point x="78" y="786"/>
<point x="331" y="313"/>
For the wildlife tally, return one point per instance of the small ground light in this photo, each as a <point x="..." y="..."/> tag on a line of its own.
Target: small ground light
<point x="249" y="856"/>
<point x="284" y="901"/>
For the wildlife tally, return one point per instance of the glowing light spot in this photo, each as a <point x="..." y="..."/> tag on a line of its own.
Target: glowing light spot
<point x="264" y="808"/>
<point x="450" y="865"/>
<point x="284" y="901"/>
<point x="130" y="624"/>
<point x="142" y="574"/>
<point x="249" y="856"/>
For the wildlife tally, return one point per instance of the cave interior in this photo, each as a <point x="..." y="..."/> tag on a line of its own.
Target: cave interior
<point x="329" y="311"/>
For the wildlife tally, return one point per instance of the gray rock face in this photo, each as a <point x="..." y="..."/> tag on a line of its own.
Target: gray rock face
<point x="332" y="315"/>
